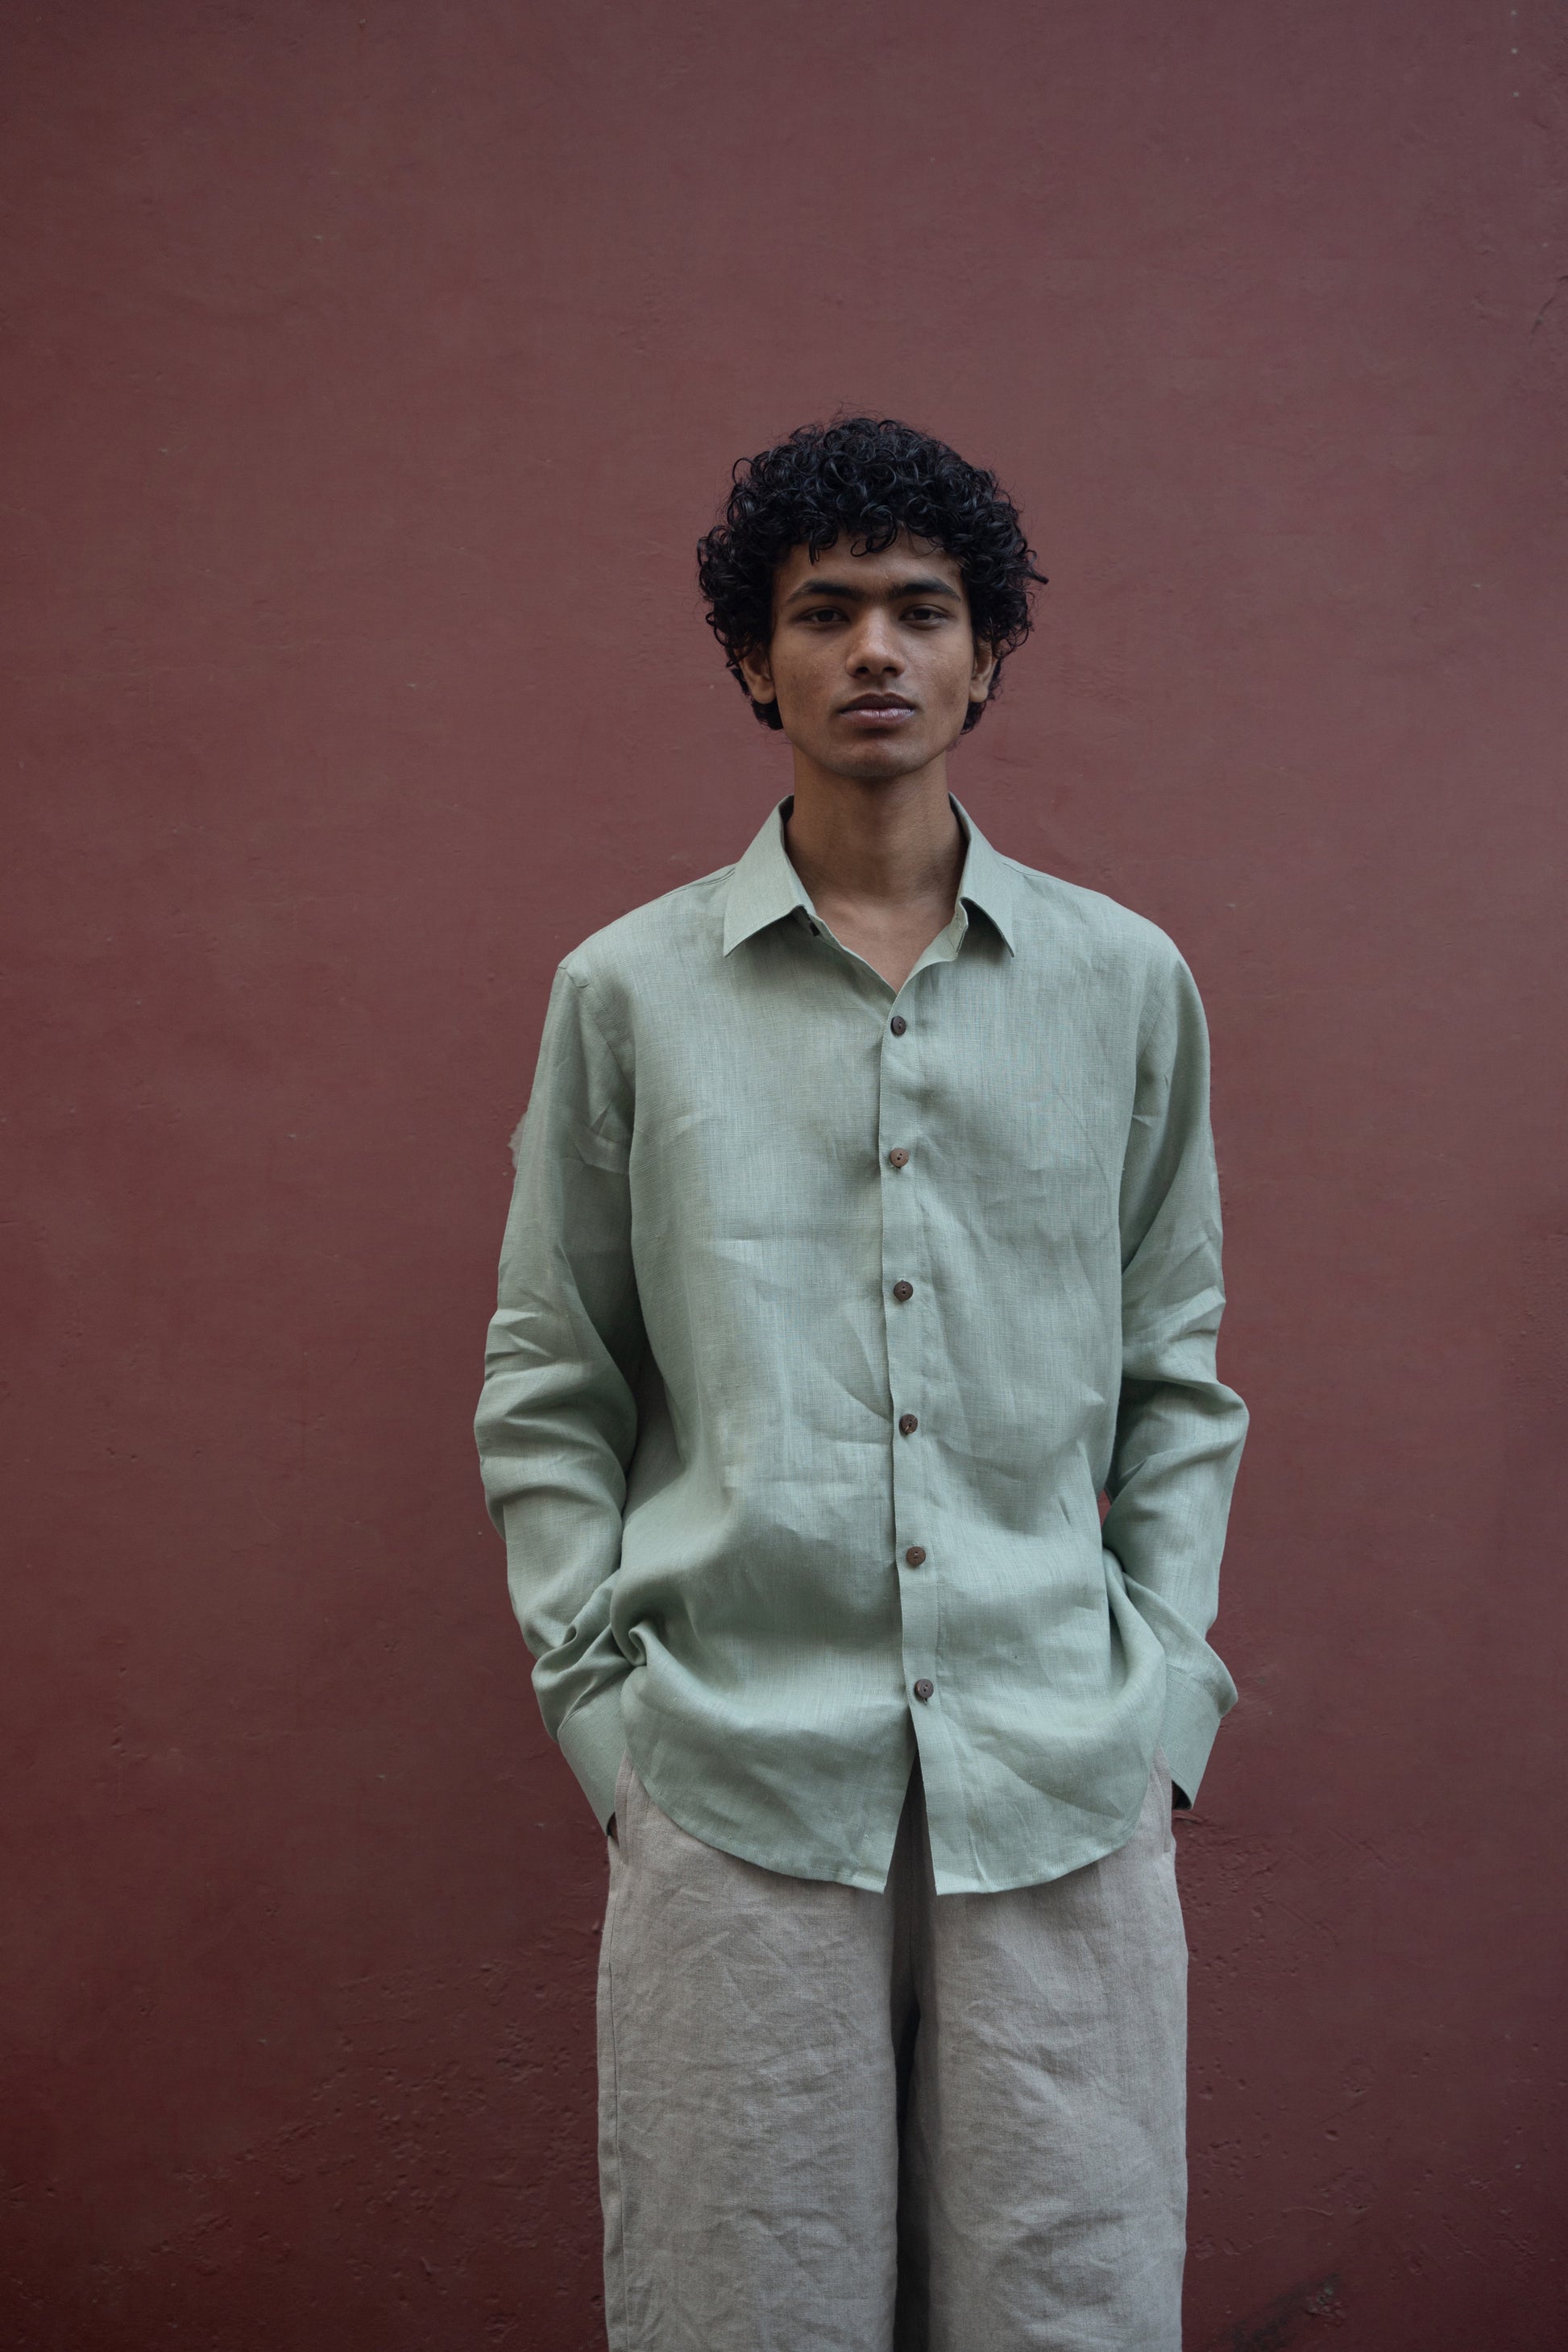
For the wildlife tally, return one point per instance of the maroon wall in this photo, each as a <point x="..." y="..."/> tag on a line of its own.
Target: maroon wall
<point x="376" y="367"/>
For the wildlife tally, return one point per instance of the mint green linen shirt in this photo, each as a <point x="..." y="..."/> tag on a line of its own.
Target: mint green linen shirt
<point x="827" y="1313"/>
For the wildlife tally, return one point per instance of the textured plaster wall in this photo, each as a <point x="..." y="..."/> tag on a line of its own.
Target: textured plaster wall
<point x="372" y="368"/>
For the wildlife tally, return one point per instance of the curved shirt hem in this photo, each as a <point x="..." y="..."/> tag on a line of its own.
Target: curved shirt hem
<point x="865" y="1876"/>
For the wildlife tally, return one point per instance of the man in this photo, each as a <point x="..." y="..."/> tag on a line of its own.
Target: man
<point x="866" y="1232"/>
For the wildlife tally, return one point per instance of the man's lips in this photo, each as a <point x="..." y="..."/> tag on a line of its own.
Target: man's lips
<point x="880" y="708"/>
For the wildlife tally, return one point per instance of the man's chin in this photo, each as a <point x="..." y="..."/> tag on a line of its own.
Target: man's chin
<point x="872" y="762"/>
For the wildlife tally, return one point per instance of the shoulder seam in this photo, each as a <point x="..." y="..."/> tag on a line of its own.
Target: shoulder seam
<point x="714" y="874"/>
<point x="587" y="1001"/>
<point x="1157" y="999"/>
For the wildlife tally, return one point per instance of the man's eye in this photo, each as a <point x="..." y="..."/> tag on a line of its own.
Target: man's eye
<point x="823" y="613"/>
<point x="925" y="613"/>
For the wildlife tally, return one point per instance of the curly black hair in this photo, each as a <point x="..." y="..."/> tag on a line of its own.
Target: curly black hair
<point x="871" y="478"/>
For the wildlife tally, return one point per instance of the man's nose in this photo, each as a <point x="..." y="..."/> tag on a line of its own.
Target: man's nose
<point x="874" y="650"/>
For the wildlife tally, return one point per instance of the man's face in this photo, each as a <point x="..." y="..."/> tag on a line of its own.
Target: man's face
<point x="873" y="662"/>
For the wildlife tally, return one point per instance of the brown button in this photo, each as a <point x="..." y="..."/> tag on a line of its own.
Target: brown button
<point x="916" y="1556"/>
<point x="897" y="1156"/>
<point x="898" y="1024"/>
<point x="902" y="1290"/>
<point x="924" y="1689"/>
<point x="907" y="1424"/>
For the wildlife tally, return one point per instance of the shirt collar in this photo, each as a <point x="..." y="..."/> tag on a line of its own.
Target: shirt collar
<point x="764" y="887"/>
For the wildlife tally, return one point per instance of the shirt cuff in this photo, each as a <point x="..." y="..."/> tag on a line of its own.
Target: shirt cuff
<point x="592" y="1743"/>
<point x="1187" y="1734"/>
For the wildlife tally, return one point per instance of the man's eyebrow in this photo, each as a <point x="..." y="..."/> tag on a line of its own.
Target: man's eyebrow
<point x="851" y="594"/>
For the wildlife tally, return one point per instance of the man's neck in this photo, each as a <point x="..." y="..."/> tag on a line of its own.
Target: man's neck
<point x="881" y="861"/>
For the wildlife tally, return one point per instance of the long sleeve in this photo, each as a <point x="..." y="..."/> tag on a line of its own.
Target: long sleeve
<point x="557" y="1418"/>
<point x="1179" y="1430"/>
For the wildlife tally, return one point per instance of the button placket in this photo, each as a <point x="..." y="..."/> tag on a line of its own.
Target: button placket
<point x="905" y="1284"/>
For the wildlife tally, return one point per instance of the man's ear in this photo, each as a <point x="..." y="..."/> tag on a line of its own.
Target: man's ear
<point x="757" y="671"/>
<point x="984" y="671"/>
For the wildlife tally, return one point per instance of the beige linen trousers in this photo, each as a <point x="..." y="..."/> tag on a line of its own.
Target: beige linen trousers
<point x="833" y="2120"/>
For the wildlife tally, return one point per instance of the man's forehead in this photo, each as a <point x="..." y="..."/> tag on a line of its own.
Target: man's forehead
<point x="902" y="558"/>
